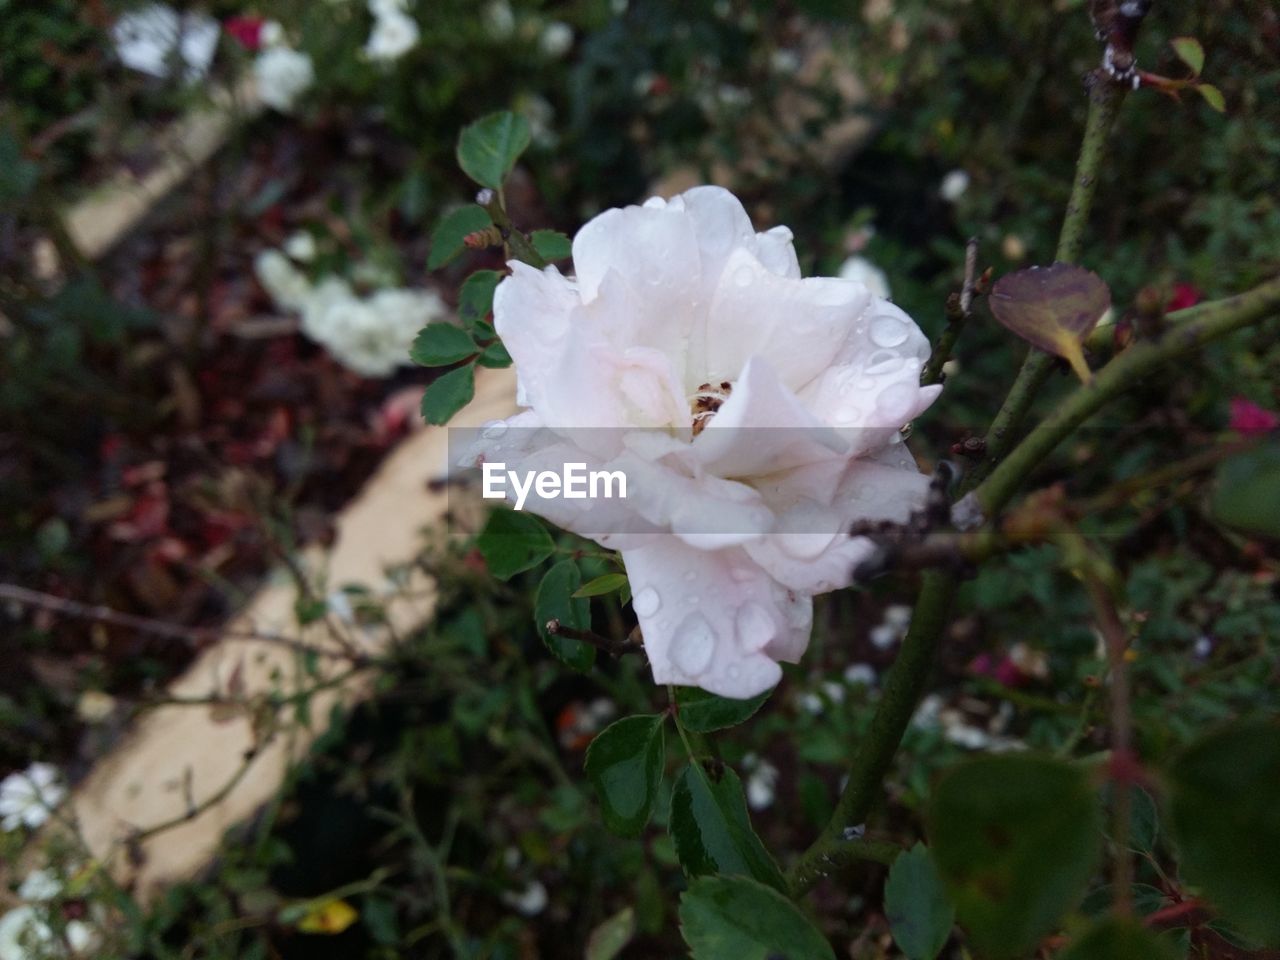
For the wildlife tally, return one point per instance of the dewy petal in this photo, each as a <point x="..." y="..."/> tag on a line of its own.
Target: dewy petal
<point x="798" y="324"/>
<point x="762" y="428"/>
<point x="531" y="312"/>
<point x="714" y="619"/>
<point x="887" y="488"/>
<point x="873" y="386"/>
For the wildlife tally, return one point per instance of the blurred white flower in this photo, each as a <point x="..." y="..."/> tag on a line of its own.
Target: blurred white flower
<point x="499" y="20"/>
<point x="40" y="885"/>
<point x="812" y="703"/>
<point x="388" y="8"/>
<point x="784" y="61"/>
<point x="954" y="185"/>
<point x="530" y="901"/>
<point x="270" y="34"/>
<point x="556" y="39"/>
<point x="28" y="797"/>
<point x="834" y="691"/>
<point x="540" y="115"/>
<point x="282" y="76"/>
<point x="301" y="246"/>
<point x="394" y="34"/>
<point x="863" y="271"/>
<point x="860" y="674"/>
<point x="373" y="336"/>
<point x="897" y="619"/>
<point x="315" y="308"/>
<point x="762" y="782"/>
<point x="898" y="615"/>
<point x="926" y="715"/>
<point x="150" y="40"/>
<point x="24" y="935"/>
<point x="286" y="284"/>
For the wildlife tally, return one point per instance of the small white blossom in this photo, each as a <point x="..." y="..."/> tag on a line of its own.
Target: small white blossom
<point x="270" y="34"/>
<point x="863" y="271"/>
<point x="387" y="8"/>
<point x="40" y="885"/>
<point x="883" y="636"/>
<point x="282" y="76"/>
<point x="898" y="615"/>
<point x="286" y="284"/>
<point x="860" y="674"/>
<point x="784" y="61"/>
<point x="499" y="19"/>
<point x="556" y="39"/>
<point x="926" y="715"/>
<point x="954" y="185"/>
<point x="394" y="34"/>
<point x="1203" y="647"/>
<point x="530" y="901"/>
<point x="812" y="703"/>
<point x="762" y="782"/>
<point x="24" y="935"/>
<point x="150" y="39"/>
<point x="28" y="797"/>
<point x="834" y="691"/>
<point x="301" y="246"/>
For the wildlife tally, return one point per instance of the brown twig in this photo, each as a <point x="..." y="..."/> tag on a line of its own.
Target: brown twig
<point x="195" y="636"/>
<point x="615" y="648"/>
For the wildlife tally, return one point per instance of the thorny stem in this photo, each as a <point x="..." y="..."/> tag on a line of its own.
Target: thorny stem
<point x="615" y="648"/>
<point x="1104" y="104"/>
<point x="907" y="680"/>
<point x="1199" y="325"/>
<point x="957" y="316"/>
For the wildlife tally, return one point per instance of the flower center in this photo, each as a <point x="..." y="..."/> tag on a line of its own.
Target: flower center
<point x="705" y="401"/>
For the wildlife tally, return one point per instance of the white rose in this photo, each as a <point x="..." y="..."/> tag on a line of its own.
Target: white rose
<point x="735" y="516"/>
<point x="863" y="271"/>
<point x="394" y="34"/>
<point x="282" y="75"/>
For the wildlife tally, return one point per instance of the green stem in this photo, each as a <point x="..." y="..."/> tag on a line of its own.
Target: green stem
<point x="1203" y="324"/>
<point x="1104" y="105"/>
<point x="906" y="682"/>
<point x="903" y="687"/>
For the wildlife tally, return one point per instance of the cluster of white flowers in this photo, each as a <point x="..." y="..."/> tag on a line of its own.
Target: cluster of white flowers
<point x="958" y="729"/>
<point x="29" y="796"/>
<point x="281" y="73"/>
<point x="394" y="33"/>
<point x="370" y="335"/>
<point x="25" y="931"/>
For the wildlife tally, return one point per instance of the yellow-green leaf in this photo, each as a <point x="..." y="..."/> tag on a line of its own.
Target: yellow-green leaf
<point x="1212" y="96"/>
<point x="1190" y="52"/>
<point x="328" y="917"/>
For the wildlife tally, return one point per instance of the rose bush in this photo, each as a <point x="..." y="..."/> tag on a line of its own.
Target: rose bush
<point x="755" y="414"/>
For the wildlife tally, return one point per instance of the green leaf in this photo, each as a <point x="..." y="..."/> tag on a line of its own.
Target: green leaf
<point x="1190" y="52"/>
<point x="711" y="829"/>
<point x="704" y="712"/>
<point x="440" y="344"/>
<point x="1247" y="489"/>
<point x="512" y="542"/>
<point x="1115" y="938"/>
<point x="1226" y="821"/>
<point x="447" y="238"/>
<point x="495" y="355"/>
<point x="624" y="764"/>
<point x="1212" y="96"/>
<point x="608" y="583"/>
<point x="551" y="244"/>
<point x="608" y="939"/>
<point x="1053" y="308"/>
<point x="734" y="918"/>
<point x="1144" y="820"/>
<point x="555" y="602"/>
<point x="916" y="905"/>
<point x="448" y="393"/>
<point x="475" y="299"/>
<point x="1015" y="839"/>
<point x="489" y="148"/>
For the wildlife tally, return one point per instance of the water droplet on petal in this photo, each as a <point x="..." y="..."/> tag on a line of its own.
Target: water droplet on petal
<point x="647" y="602"/>
<point x="493" y="429"/>
<point x="887" y="331"/>
<point x="883" y="361"/>
<point x="693" y="644"/>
